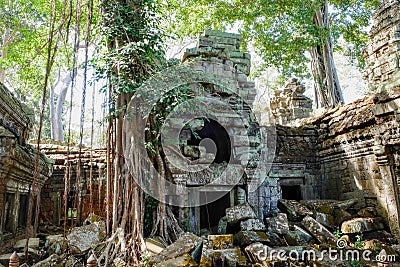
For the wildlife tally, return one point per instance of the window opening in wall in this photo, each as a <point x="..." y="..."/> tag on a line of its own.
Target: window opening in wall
<point x="216" y="132"/>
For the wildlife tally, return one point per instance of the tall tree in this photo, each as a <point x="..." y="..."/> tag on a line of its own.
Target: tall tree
<point x="283" y="31"/>
<point x="134" y="52"/>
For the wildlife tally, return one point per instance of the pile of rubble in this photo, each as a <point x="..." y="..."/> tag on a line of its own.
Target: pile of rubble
<point x="306" y="233"/>
<point x="51" y="249"/>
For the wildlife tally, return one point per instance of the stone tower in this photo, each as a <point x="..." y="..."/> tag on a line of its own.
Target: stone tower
<point x="383" y="50"/>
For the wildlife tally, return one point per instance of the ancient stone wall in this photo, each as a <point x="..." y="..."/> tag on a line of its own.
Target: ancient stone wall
<point x="294" y="172"/>
<point x="354" y="154"/>
<point x="93" y="164"/>
<point x="17" y="164"/>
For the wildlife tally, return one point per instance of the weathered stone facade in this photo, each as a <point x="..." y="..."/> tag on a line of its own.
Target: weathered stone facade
<point x="17" y="164"/>
<point x="218" y="53"/>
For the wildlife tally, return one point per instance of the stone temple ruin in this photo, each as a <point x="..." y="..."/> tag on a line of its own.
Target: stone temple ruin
<point x="17" y="160"/>
<point x="338" y="170"/>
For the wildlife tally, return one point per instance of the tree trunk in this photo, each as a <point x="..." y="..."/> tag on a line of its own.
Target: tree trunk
<point x="328" y="92"/>
<point x="5" y="40"/>
<point x="56" y="106"/>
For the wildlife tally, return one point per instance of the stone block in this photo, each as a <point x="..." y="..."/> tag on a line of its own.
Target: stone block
<point x="325" y="219"/>
<point x="361" y="225"/>
<point x="83" y="238"/>
<point x="295" y="211"/>
<point x="154" y="245"/>
<point x="222" y="226"/>
<point x="297" y="236"/>
<point x="256" y="251"/>
<point x="278" y="224"/>
<point x="245" y="238"/>
<point x="322" y="234"/>
<point x="252" y="225"/>
<point x="184" y="245"/>
<point x="181" y="261"/>
<point x="220" y="241"/>
<point x="240" y="213"/>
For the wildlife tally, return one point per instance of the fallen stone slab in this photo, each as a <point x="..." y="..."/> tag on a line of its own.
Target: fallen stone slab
<point x="240" y="213"/>
<point x="181" y="261"/>
<point x="232" y="257"/>
<point x="295" y="210"/>
<point x="319" y="231"/>
<point x="297" y="236"/>
<point x="362" y="225"/>
<point x="252" y="225"/>
<point x="245" y="238"/>
<point x="154" y="245"/>
<point x="328" y="206"/>
<point x="278" y="224"/>
<point x="32" y="243"/>
<point x="184" y="245"/>
<point x="83" y="238"/>
<point x="274" y="240"/>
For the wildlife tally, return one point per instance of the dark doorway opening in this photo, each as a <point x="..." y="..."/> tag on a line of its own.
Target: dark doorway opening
<point x="8" y="212"/>
<point x="211" y="213"/>
<point x="23" y="210"/>
<point x="292" y="192"/>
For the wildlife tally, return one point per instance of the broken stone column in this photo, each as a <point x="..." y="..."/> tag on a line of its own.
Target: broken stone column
<point x="290" y="103"/>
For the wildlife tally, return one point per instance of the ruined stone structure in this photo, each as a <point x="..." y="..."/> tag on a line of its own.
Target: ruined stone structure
<point x="218" y="53"/>
<point x="17" y="160"/>
<point x="92" y="166"/>
<point x="382" y="52"/>
<point x="290" y="104"/>
<point x="350" y="152"/>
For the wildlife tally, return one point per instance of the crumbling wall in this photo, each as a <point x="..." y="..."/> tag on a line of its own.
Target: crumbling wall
<point x="93" y="164"/>
<point x="17" y="165"/>
<point x="382" y="53"/>
<point x="358" y="146"/>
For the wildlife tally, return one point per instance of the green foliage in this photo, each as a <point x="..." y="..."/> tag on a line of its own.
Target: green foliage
<point x="25" y="30"/>
<point x="359" y="242"/>
<point x="355" y="263"/>
<point x="145" y="261"/>
<point x="149" y="213"/>
<point x="133" y="44"/>
<point x="337" y="233"/>
<point x="280" y="31"/>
